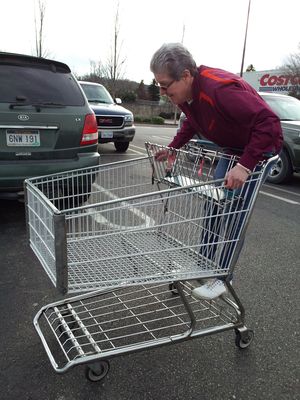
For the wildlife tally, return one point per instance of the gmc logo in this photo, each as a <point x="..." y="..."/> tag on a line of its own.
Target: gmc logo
<point x="105" y="121"/>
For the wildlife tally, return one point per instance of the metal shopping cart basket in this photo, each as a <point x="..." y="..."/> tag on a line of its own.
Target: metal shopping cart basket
<point x="135" y="235"/>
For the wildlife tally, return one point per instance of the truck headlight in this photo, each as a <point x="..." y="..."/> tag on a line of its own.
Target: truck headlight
<point x="128" y="119"/>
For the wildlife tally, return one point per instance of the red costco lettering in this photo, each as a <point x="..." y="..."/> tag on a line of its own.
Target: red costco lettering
<point x="281" y="80"/>
<point x="267" y="80"/>
<point x="272" y="80"/>
<point x="264" y="80"/>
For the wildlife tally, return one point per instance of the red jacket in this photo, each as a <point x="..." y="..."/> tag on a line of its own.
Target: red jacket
<point x="228" y="111"/>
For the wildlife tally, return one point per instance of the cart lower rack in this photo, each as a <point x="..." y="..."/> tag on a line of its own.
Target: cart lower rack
<point x="138" y="234"/>
<point x="93" y="328"/>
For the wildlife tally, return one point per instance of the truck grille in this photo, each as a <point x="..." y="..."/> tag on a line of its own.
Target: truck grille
<point x="107" y="121"/>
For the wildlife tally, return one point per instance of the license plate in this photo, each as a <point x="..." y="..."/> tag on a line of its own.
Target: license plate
<point x="107" y="134"/>
<point x="23" y="138"/>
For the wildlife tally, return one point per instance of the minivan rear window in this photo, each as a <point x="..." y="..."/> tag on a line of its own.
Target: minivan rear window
<point x="38" y="85"/>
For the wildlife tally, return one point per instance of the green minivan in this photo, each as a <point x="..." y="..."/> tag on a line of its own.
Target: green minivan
<point x="46" y="123"/>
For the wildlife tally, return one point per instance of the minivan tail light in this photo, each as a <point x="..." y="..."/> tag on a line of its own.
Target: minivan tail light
<point x="90" y="131"/>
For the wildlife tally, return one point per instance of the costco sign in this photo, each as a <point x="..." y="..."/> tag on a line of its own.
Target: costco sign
<point x="273" y="81"/>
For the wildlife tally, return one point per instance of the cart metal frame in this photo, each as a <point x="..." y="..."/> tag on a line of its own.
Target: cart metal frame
<point x="139" y="272"/>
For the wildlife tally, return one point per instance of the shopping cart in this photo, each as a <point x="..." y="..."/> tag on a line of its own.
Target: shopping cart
<point x="136" y="241"/>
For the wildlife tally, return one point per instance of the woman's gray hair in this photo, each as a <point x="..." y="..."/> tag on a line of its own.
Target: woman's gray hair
<point x="173" y="59"/>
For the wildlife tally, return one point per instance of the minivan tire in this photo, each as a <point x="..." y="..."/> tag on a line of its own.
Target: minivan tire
<point x="283" y="170"/>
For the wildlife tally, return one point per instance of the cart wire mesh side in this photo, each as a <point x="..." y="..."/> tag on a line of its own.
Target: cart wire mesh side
<point x="141" y="221"/>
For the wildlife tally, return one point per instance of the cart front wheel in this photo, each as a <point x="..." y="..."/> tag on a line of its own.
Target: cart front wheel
<point x="244" y="339"/>
<point x="97" y="371"/>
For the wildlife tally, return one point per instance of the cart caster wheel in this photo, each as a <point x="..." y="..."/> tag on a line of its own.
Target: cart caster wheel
<point x="244" y="339"/>
<point x="173" y="289"/>
<point x="97" y="371"/>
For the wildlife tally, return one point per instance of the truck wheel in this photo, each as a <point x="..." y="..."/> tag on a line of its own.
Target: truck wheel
<point x="282" y="171"/>
<point x="121" y="147"/>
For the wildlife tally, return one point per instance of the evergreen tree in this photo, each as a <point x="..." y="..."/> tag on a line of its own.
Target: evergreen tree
<point x="153" y="91"/>
<point x="250" y="68"/>
<point x="141" y="91"/>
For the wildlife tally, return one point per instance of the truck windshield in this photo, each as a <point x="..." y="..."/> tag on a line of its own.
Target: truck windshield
<point x="97" y="94"/>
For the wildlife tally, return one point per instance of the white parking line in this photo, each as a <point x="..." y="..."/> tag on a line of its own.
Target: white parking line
<point x="136" y="151"/>
<point x="100" y="219"/>
<point x="280" y="198"/>
<point x="137" y="147"/>
<point x="282" y="190"/>
<point x="162" y="137"/>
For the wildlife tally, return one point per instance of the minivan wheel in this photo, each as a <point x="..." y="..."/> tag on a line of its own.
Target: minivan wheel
<point x="121" y="147"/>
<point x="70" y="192"/>
<point x="282" y="171"/>
<point x="72" y="197"/>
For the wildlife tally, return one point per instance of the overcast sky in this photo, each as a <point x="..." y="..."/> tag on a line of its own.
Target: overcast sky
<point x="77" y="32"/>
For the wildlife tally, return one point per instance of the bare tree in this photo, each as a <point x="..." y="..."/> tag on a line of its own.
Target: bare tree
<point x="39" y="28"/>
<point x="110" y="72"/>
<point x="292" y="67"/>
<point x="97" y="69"/>
<point x="114" y="66"/>
<point x="292" y="64"/>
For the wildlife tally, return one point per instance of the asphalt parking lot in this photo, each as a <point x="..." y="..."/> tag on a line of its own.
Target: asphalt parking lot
<point x="266" y="279"/>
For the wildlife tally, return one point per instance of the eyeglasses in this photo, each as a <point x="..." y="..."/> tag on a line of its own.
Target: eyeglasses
<point x="166" y="87"/>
